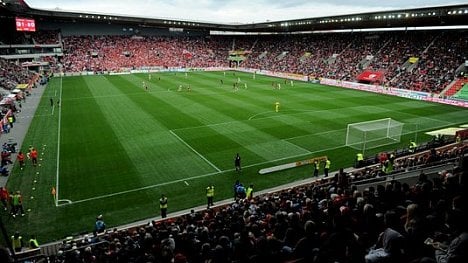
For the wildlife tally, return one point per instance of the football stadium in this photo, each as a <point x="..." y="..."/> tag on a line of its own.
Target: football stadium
<point x="339" y="138"/>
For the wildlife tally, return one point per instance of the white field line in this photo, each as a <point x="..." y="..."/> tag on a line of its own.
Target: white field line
<point x="318" y="133"/>
<point x="55" y="95"/>
<point x="195" y="151"/>
<point x="139" y="189"/>
<point x="69" y="202"/>
<point x="296" y="111"/>
<point x="242" y="121"/>
<point x="219" y="171"/>
<point x="58" y="148"/>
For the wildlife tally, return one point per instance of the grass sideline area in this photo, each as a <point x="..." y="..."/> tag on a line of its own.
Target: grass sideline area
<point x="113" y="147"/>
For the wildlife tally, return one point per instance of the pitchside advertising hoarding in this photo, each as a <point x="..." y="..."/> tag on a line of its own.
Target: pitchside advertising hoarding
<point x="25" y="24"/>
<point x="417" y="95"/>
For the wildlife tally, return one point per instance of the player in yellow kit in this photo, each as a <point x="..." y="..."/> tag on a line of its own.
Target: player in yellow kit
<point x="277" y="105"/>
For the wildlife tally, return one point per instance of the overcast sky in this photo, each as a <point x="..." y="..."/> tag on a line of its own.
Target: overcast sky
<point x="234" y="11"/>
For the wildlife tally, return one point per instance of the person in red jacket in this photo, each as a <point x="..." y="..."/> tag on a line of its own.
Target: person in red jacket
<point x="33" y="155"/>
<point x="20" y="158"/>
<point x="4" y="197"/>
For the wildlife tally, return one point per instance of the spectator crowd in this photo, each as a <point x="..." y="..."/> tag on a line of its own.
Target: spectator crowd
<point x="328" y="220"/>
<point x="419" y="60"/>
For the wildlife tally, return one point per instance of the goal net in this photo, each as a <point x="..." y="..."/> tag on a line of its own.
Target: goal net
<point x="372" y="134"/>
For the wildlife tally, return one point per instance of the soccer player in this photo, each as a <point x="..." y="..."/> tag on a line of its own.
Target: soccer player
<point x="149" y="77"/>
<point x="237" y="162"/>
<point x="277" y="105"/>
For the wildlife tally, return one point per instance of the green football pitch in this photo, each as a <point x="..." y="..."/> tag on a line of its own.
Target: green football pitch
<point x="113" y="147"/>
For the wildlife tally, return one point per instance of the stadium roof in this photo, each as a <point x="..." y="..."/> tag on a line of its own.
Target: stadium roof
<point x="234" y="11"/>
<point x="454" y="15"/>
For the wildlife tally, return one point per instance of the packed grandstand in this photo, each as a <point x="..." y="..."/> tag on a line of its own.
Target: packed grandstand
<point x="353" y="216"/>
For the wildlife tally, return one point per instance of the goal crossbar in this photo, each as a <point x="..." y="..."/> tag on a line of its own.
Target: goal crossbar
<point x="372" y="134"/>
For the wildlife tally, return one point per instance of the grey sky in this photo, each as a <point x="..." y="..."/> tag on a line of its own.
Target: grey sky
<point x="234" y="11"/>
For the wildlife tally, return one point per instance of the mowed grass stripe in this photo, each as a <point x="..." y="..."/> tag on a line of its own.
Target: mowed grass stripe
<point x="90" y="149"/>
<point x="249" y="102"/>
<point x="157" y="155"/>
<point x="258" y="142"/>
<point x="315" y="128"/>
<point x="235" y="133"/>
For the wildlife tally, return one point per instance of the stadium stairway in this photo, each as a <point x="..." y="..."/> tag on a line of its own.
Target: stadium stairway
<point x="453" y="88"/>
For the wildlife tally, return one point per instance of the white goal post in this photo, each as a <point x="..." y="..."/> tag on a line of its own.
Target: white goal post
<point x="372" y="134"/>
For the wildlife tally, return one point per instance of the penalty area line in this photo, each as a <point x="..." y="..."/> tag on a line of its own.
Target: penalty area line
<point x="195" y="151"/>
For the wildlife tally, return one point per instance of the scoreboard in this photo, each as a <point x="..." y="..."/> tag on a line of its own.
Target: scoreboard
<point x="25" y="24"/>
